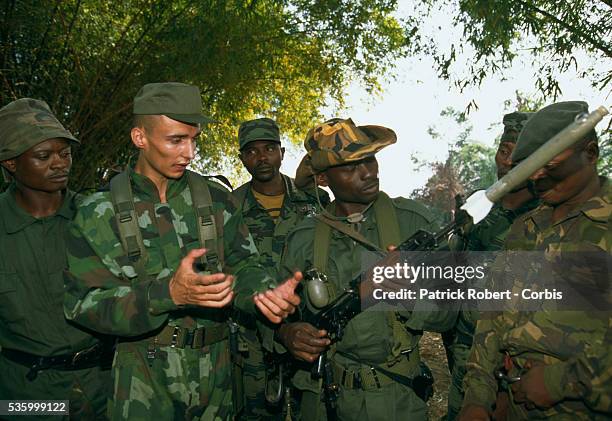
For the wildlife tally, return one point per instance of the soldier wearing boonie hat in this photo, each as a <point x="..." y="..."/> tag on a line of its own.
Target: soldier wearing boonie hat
<point x="560" y="360"/>
<point x="42" y="355"/>
<point x="146" y="262"/>
<point x="379" y="348"/>
<point x="271" y="207"/>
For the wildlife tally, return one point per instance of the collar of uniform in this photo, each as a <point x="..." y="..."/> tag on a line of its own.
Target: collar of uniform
<point x="369" y="215"/>
<point x="292" y="195"/>
<point x="16" y="219"/>
<point x="596" y="208"/>
<point x="148" y="190"/>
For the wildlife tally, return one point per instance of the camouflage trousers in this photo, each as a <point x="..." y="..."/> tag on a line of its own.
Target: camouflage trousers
<point x="178" y="384"/>
<point x="458" y="343"/>
<point x="87" y="390"/>
<point x="254" y="379"/>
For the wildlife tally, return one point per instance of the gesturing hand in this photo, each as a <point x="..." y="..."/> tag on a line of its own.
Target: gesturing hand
<point x="189" y="287"/>
<point x="303" y="340"/>
<point x="276" y="304"/>
<point x="531" y="389"/>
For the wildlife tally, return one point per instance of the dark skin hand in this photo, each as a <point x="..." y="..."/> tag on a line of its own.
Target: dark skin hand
<point x="473" y="413"/>
<point x="531" y="390"/>
<point x="303" y="340"/>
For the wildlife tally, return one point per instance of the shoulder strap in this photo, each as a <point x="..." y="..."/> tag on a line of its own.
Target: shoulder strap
<point x="127" y="222"/>
<point x="321" y="245"/>
<point x="210" y="233"/>
<point x="240" y="193"/>
<point x="386" y="219"/>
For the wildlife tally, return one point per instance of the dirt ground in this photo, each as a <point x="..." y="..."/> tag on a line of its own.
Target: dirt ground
<point x="432" y="352"/>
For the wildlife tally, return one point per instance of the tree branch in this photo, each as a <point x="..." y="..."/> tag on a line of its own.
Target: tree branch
<point x="595" y="43"/>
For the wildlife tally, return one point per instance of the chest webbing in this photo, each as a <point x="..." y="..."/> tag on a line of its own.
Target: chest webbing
<point x="209" y="233"/>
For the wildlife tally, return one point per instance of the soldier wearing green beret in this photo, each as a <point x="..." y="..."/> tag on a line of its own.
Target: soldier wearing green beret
<point x="43" y="355"/>
<point x="149" y="262"/>
<point x="488" y="235"/>
<point x="378" y="355"/>
<point x="561" y="359"/>
<point x="271" y="206"/>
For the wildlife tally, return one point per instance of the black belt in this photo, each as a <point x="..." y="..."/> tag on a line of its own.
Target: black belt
<point x="87" y="358"/>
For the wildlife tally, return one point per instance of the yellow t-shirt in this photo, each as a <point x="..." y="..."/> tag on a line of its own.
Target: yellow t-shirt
<point x="272" y="204"/>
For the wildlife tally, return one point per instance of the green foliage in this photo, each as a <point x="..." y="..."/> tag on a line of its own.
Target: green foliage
<point x="555" y="32"/>
<point x="282" y="59"/>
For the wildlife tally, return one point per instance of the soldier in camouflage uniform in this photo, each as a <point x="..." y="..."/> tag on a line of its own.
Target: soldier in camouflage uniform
<point x="488" y="235"/>
<point x="170" y="314"/>
<point x="341" y="156"/>
<point x="563" y="358"/>
<point x="271" y="206"/>
<point x="43" y="356"/>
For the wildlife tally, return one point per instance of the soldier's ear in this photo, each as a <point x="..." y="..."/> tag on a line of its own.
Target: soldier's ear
<point x="592" y="151"/>
<point x="10" y="165"/>
<point x="139" y="138"/>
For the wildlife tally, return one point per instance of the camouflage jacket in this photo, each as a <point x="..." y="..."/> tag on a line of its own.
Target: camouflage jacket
<point x="269" y="235"/>
<point x="102" y="290"/>
<point x="574" y="345"/>
<point x="369" y="337"/>
<point x="490" y="233"/>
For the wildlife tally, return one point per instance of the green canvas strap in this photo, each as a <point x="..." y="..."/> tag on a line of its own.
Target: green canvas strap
<point x="321" y="246"/>
<point x="386" y="220"/>
<point x="127" y="222"/>
<point x="209" y="234"/>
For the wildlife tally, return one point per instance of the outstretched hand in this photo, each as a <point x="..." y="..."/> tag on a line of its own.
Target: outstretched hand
<point x="190" y="287"/>
<point x="278" y="303"/>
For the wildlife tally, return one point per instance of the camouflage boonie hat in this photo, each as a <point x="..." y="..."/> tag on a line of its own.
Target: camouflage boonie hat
<point x="25" y="123"/>
<point x="546" y="123"/>
<point x="513" y="124"/>
<point x="338" y="142"/>
<point x="178" y="101"/>
<point x="258" y="129"/>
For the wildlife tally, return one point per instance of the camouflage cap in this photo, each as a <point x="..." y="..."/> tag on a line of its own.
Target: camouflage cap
<point x="338" y="142"/>
<point x="25" y="123"/>
<point x="513" y="124"/>
<point x="546" y="123"/>
<point x="178" y="101"/>
<point x="258" y="129"/>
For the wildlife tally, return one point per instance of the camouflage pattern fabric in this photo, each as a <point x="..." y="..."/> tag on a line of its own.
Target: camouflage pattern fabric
<point x="369" y="338"/>
<point x="270" y="241"/>
<point x="26" y="122"/>
<point x="258" y="129"/>
<point x="488" y="235"/>
<point x="32" y="260"/>
<point x="574" y="345"/>
<point x="337" y="142"/>
<point x="103" y="294"/>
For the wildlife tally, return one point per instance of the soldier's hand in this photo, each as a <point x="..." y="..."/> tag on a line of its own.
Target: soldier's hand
<point x="277" y="303"/>
<point x="531" y="389"/>
<point x="189" y="287"/>
<point x="473" y="413"/>
<point x="303" y="340"/>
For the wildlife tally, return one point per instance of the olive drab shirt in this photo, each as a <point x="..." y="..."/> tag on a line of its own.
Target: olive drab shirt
<point x="32" y="260"/>
<point x="102" y="288"/>
<point x="575" y="346"/>
<point x="270" y="235"/>
<point x="369" y="336"/>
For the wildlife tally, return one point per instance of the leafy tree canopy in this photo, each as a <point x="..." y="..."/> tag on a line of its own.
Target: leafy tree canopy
<point x="277" y="58"/>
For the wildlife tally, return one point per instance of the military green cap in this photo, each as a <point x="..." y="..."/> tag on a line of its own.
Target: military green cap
<point x="546" y="123"/>
<point x="513" y="124"/>
<point x="178" y="101"/>
<point x="258" y="129"/>
<point x="338" y="142"/>
<point x="25" y="123"/>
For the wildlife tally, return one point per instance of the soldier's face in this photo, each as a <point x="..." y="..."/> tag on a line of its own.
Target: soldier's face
<point x="166" y="147"/>
<point x="565" y="176"/>
<point x="503" y="162"/>
<point x="44" y="167"/>
<point x="262" y="159"/>
<point x="356" y="182"/>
